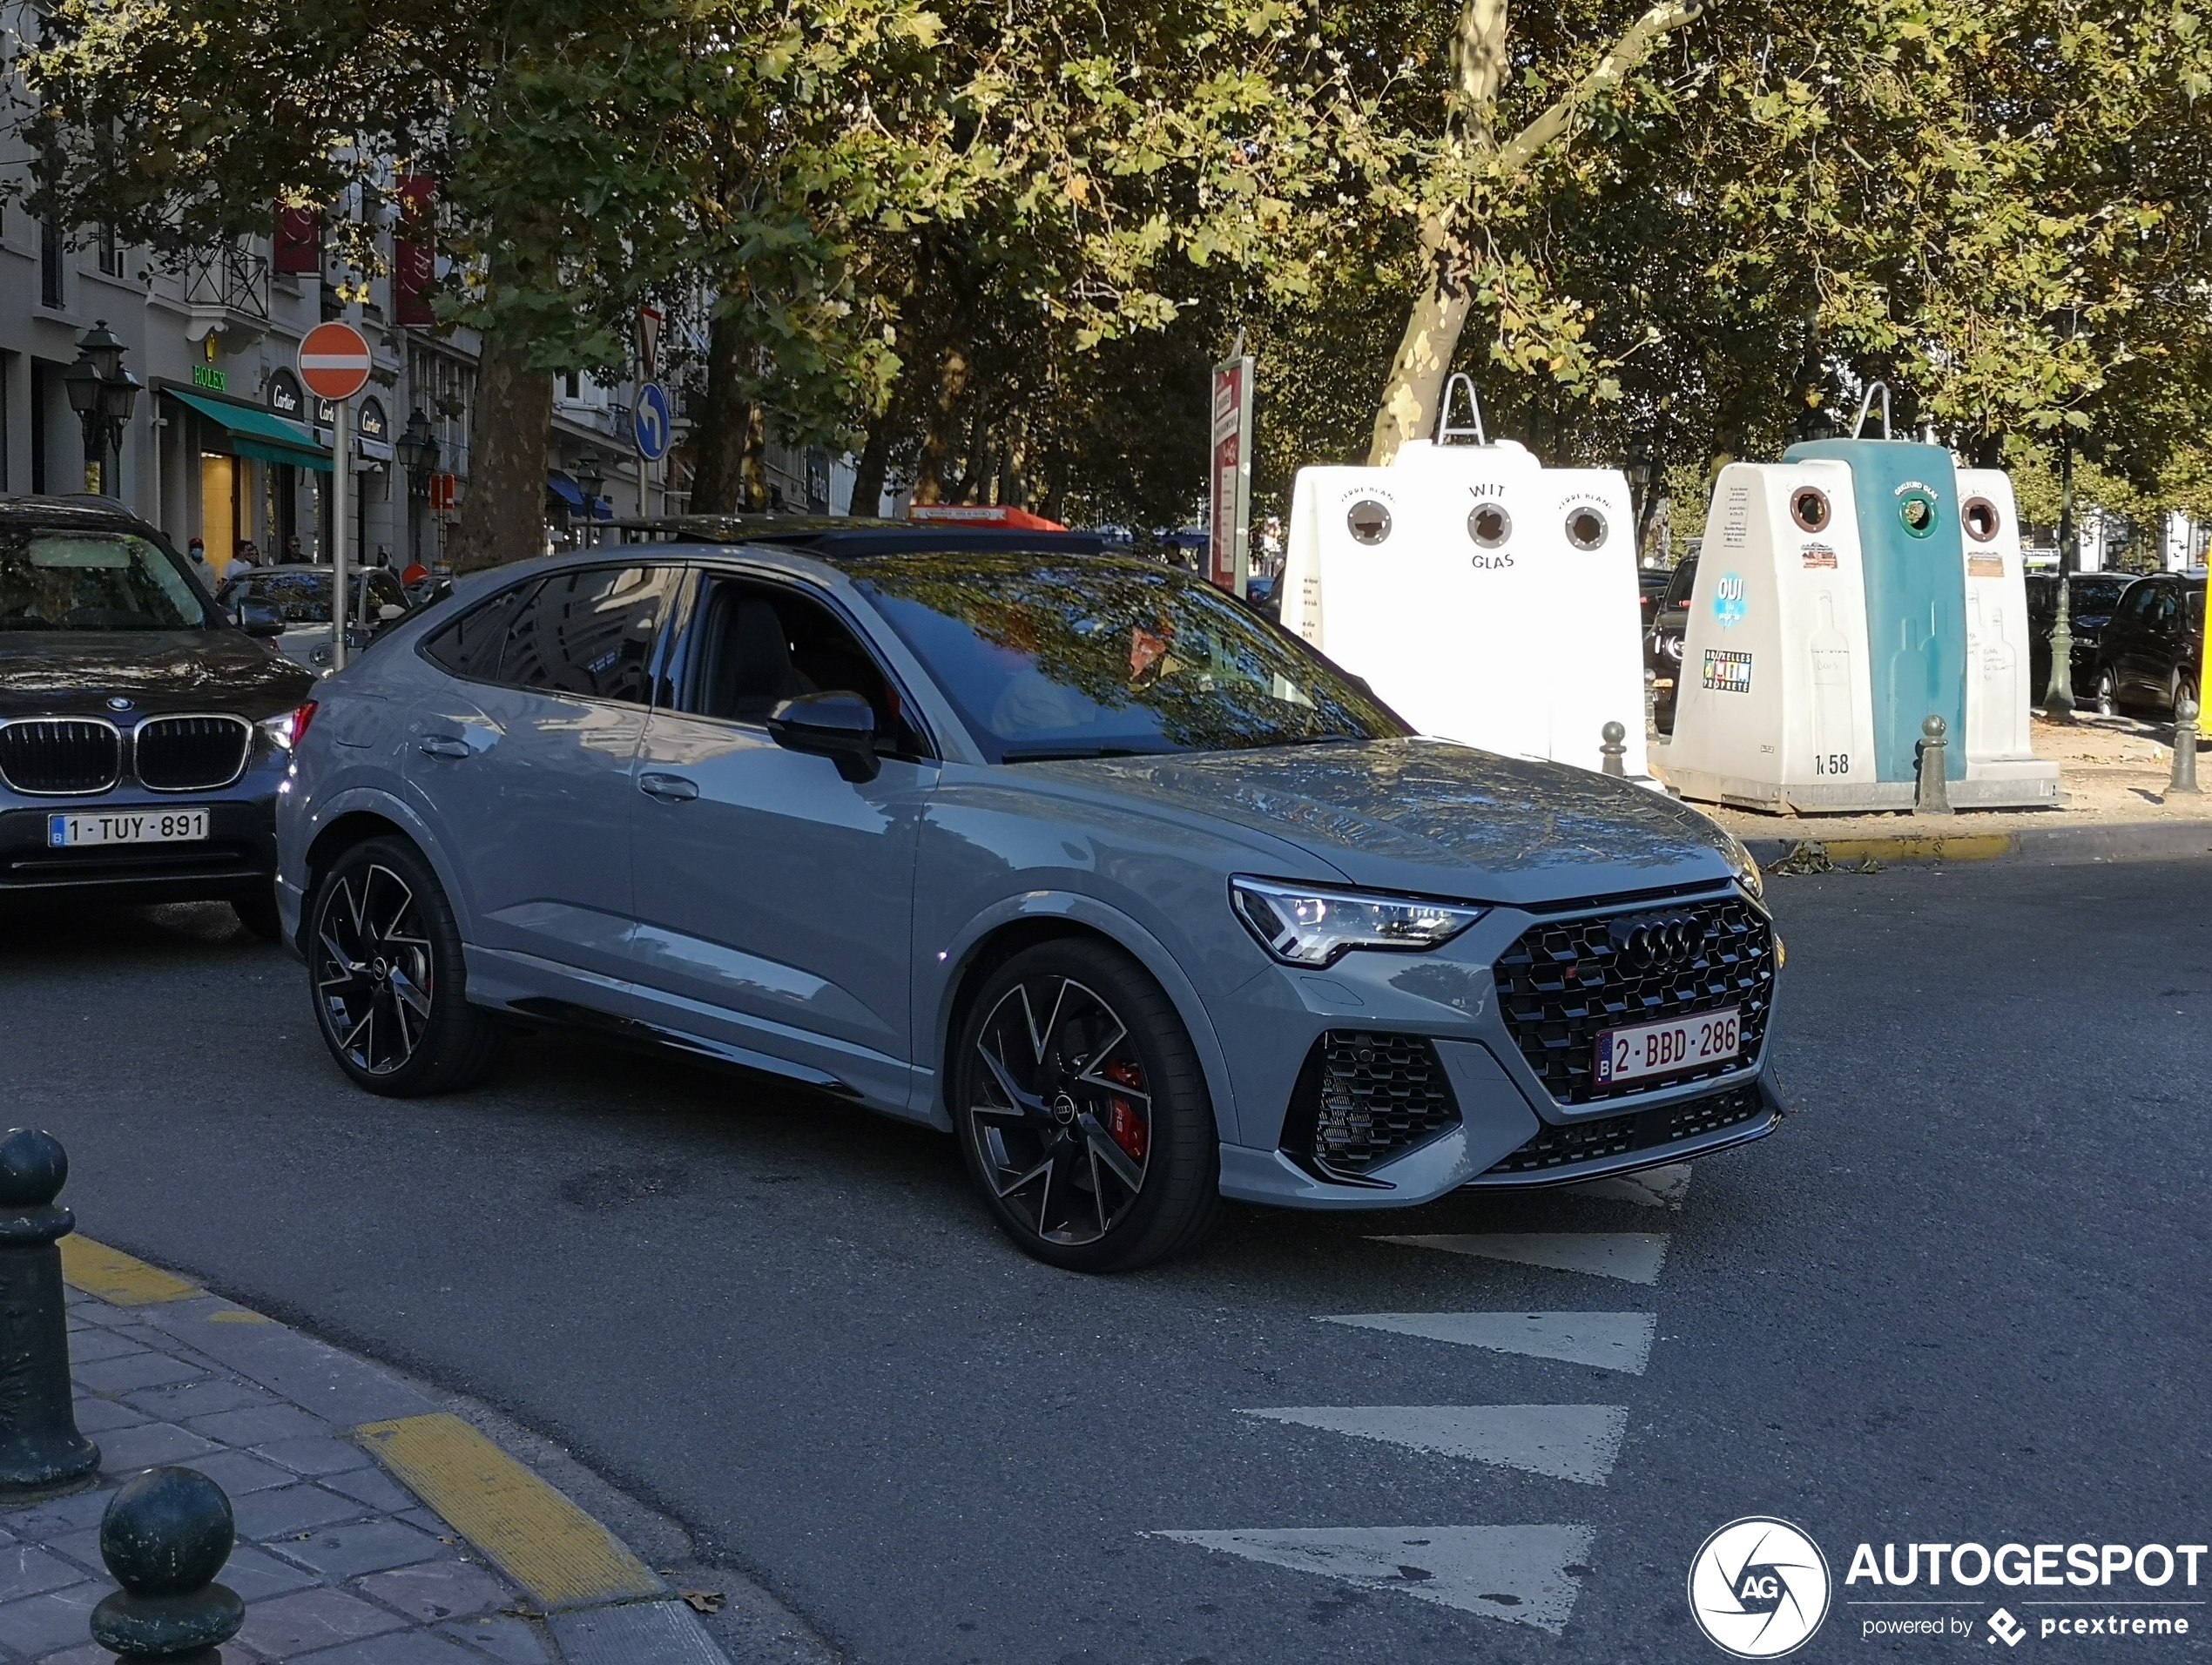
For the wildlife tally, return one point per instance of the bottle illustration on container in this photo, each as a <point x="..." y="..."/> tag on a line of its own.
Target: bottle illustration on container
<point x="1831" y="700"/>
<point x="1999" y="663"/>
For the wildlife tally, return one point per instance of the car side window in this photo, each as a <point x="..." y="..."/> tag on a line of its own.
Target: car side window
<point x="384" y="590"/>
<point x="470" y="645"/>
<point x="2136" y="609"/>
<point x="2168" y="605"/>
<point x="591" y="630"/>
<point x="759" y="645"/>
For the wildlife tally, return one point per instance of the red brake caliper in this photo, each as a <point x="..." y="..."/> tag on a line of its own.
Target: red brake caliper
<point x="1128" y="1127"/>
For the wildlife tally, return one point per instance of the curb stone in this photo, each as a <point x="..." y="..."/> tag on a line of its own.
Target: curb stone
<point x="2057" y="845"/>
<point x="471" y="1555"/>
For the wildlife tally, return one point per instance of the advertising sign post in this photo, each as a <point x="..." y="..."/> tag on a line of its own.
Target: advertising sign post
<point x="1229" y="479"/>
<point x="333" y="363"/>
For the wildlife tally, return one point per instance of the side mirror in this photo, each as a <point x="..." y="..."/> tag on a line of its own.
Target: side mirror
<point x="839" y="726"/>
<point x="389" y="611"/>
<point x="258" y="618"/>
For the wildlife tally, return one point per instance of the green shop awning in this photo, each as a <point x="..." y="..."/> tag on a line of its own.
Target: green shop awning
<point x="261" y="434"/>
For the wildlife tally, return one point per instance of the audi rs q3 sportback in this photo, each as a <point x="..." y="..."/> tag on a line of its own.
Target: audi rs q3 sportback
<point x="1067" y="855"/>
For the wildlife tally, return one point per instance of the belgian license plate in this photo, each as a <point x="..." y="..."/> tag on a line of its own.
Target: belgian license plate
<point x="127" y="826"/>
<point x="1661" y="1048"/>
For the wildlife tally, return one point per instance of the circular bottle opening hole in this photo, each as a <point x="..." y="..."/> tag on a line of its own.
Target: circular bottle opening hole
<point x="1585" y="528"/>
<point x="1918" y="514"/>
<point x="1489" y="525"/>
<point x="1369" y="521"/>
<point x="1809" y="507"/>
<point x="1980" y="518"/>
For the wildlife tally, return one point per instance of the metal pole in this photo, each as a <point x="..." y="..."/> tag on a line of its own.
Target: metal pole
<point x="2058" y="698"/>
<point x="341" y="469"/>
<point x="2184" y="779"/>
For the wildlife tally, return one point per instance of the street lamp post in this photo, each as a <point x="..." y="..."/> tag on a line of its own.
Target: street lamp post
<point x="1639" y="470"/>
<point x="417" y="446"/>
<point x="2058" y="698"/>
<point x="103" y="394"/>
<point x="590" y="480"/>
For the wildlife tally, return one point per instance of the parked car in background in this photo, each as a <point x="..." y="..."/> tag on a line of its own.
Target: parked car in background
<point x="143" y="735"/>
<point x="1663" y="642"/>
<point x="302" y="598"/>
<point x="1069" y="855"/>
<point x="1651" y="588"/>
<point x="2152" y="651"/>
<point x="2091" y="598"/>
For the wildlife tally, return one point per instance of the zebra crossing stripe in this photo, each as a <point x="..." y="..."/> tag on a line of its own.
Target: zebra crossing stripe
<point x="1524" y="1576"/>
<point x="1568" y="1442"/>
<point x="1632" y="1256"/>
<point x="1618" y="1341"/>
<point x="1653" y="1188"/>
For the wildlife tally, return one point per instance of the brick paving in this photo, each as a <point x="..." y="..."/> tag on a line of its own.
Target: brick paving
<point x="337" y="1562"/>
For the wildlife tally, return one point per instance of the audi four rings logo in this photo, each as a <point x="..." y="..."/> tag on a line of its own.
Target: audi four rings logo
<point x="1668" y="943"/>
<point x="1759" y="1587"/>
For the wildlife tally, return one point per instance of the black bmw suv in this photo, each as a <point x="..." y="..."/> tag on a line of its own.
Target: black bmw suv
<point x="142" y="735"/>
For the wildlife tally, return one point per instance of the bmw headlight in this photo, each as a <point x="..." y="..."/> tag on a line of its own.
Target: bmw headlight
<point x="280" y="730"/>
<point x="1305" y="925"/>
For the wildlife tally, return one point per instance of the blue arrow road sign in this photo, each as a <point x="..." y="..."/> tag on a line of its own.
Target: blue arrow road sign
<point x="650" y="423"/>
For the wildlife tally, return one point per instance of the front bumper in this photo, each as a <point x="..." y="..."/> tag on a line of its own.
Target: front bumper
<point x="235" y="862"/>
<point x="1515" y="1129"/>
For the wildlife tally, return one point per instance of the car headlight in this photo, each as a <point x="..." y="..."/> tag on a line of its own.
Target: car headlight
<point x="1672" y="648"/>
<point x="1305" y="924"/>
<point x="1747" y="870"/>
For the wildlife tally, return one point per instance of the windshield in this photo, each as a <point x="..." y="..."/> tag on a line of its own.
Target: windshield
<point x="1052" y="655"/>
<point x="93" y="581"/>
<point x="2096" y="595"/>
<point x="301" y="596"/>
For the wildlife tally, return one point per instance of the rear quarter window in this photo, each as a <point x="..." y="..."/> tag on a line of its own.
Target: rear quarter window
<point x="470" y="645"/>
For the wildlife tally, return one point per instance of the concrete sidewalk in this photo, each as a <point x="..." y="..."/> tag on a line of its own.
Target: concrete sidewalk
<point x="374" y="1527"/>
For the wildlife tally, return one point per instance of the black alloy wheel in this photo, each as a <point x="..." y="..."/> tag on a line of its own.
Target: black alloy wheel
<point x="385" y="968"/>
<point x="1083" y="1113"/>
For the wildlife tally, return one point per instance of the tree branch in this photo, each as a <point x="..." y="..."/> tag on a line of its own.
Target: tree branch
<point x="1627" y="57"/>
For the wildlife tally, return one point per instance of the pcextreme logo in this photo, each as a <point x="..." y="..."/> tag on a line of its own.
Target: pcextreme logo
<point x="1759" y="1587"/>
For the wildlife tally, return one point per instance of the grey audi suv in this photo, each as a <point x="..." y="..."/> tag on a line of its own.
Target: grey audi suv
<point x="1060" y="852"/>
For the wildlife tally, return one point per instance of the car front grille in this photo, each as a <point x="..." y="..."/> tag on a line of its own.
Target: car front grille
<point x="1618" y="1135"/>
<point x="184" y="754"/>
<point x="1563" y="984"/>
<point x="1362" y="1098"/>
<point x="58" y="756"/>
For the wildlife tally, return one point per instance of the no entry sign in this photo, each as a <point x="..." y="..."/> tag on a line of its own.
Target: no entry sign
<point x="334" y="361"/>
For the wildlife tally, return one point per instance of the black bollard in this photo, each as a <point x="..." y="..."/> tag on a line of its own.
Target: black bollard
<point x="2184" y="780"/>
<point x="165" y="1536"/>
<point x="40" y="1448"/>
<point x="1614" y="749"/>
<point x="1935" y="792"/>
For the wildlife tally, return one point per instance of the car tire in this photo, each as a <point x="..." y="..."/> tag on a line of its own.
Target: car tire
<point x="259" y="915"/>
<point x="385" y="973"/>
<point x="1082" y="1111"/>
<point x="2106" y="700"/>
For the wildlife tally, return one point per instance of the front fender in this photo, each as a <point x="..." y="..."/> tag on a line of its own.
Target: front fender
<point x="297" y="834"/>
<point x="1112" y="923"/>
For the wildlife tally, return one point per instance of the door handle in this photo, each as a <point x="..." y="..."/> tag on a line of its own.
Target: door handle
<point x="670" y="789"/>
<point x="444" y="746"/>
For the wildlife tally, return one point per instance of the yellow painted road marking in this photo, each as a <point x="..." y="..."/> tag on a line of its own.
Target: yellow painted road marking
<point x="114" y="1276"/>
<point x="240" y="1317"/>
<point x="553" y="1549"/>
<point x="1929" y="847"/>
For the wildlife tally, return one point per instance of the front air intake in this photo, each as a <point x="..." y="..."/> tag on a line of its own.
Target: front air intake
<point x="1363" y="1098"/>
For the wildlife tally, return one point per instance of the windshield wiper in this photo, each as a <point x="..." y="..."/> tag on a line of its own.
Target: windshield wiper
<point x="1073" y="753"/>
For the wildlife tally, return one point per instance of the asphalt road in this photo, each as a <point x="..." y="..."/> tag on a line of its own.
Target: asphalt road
<point x="1959" y="1296"/>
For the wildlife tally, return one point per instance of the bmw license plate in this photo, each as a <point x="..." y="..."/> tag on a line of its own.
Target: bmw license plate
<point x="128" y="827"/>
<point x="1661" y="1048"/>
